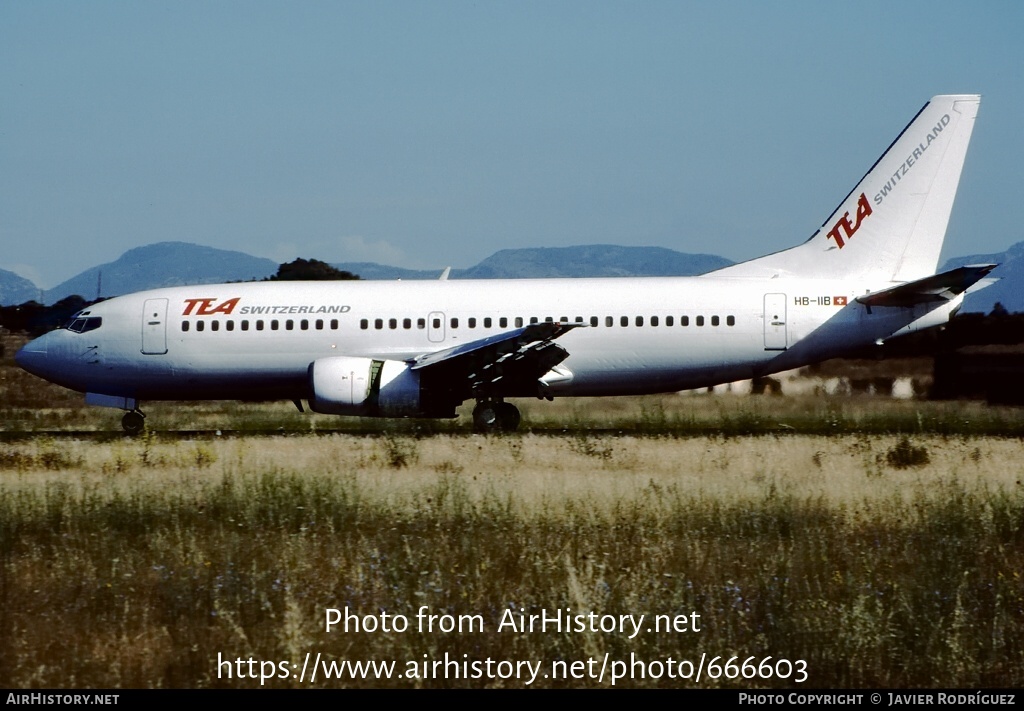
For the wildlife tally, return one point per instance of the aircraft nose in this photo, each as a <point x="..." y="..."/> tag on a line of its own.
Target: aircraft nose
<point x="32" y="356"/>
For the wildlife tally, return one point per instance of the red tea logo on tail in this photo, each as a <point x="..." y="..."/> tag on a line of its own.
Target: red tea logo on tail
<point x="843" y="230"/>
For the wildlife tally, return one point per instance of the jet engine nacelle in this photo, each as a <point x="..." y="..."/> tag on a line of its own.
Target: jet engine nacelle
<point x="346" y="385"/>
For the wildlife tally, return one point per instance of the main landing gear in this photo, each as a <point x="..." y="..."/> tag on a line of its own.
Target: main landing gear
<point x="133" y="422"/>
<point x="491" y="416"/>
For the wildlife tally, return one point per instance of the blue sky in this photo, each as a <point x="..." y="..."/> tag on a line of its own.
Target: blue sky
<point x="425" y="134"/>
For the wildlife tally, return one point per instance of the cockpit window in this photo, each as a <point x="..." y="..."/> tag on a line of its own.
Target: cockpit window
<point x="84" y="325"/>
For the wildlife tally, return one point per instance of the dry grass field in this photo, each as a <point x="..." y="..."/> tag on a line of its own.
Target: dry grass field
<point x="878" y="561"/>
<point x="879" y="543"/>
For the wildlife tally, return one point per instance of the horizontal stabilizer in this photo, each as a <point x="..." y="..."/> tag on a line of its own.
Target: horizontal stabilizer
<point x="940" y="287"/>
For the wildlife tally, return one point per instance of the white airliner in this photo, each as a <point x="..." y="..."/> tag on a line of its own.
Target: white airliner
<point x="421" y="348"/>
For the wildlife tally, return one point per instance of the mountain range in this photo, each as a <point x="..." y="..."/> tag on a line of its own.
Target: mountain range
<point x="593" y="260"/>
<point x="15" y="289"/>
<point x="162" y="264"/>
<point x="181" y="263"/>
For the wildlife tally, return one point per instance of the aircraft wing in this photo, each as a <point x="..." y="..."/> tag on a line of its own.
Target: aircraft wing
<point x="508" y="364"/>
<point x="940" y="287"/>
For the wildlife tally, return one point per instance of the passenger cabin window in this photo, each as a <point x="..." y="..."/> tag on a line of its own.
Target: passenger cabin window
<point x="184" y="325"/>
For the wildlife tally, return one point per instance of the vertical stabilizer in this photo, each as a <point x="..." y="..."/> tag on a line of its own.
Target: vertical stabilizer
<point x="891" y="226"/>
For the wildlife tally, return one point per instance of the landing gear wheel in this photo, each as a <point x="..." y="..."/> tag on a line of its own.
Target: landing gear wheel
<point x="508" y="416"/>
<point x="133" y="422"/>
<point x="485" y="417"/>
<point x="491" y="416"/>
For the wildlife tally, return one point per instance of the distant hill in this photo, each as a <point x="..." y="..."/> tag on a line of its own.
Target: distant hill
<point x="164" y="264"/>
<point x="1009" y="291"/>
<point x="16" y="289"/>
<point x="594" y="260"/>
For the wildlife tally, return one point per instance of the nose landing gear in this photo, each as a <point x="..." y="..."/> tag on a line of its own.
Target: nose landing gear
<point x="133" y="422"/>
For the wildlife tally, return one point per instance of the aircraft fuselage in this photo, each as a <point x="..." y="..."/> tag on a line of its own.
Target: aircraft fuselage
<point x="640" y="335"/>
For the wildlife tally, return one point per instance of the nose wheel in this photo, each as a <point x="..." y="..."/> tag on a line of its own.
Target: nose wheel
<point x="133" y="422"/>
<point x="491" y="416"/>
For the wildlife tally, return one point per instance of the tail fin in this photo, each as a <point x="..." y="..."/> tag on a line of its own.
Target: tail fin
<point x="891" y="226"/>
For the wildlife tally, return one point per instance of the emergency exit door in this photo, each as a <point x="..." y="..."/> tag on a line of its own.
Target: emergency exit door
<point x="435" y="327"/>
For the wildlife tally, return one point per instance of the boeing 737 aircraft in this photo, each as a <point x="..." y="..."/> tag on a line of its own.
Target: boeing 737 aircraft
<point x="421" y="348"/>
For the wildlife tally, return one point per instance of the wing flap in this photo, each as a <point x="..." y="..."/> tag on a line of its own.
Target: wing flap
<point x="504" y="365"/>
<point x="503" y="343"/>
